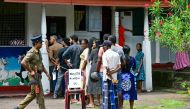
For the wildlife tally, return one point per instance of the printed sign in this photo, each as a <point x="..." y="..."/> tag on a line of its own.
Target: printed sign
<point x="74" y="78"/>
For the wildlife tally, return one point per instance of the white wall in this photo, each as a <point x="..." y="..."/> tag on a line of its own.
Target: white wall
<point x="165" y="55"/>
<point x="33" y="16"/>
<point x="87" y="35"/>
<point x="132" y="41"/>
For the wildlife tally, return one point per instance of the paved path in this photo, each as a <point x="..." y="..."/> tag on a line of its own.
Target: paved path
<point x="145" y="99"/>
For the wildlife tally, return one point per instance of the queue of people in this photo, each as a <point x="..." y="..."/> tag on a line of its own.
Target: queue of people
<point x="109" y="70"/>
<point x="117" y="71"/>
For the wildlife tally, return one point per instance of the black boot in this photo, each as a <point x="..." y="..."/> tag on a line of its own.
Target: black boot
<point x="16" y="107"/>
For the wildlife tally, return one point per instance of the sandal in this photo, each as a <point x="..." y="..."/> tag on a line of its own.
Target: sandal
<point x="73" y="101"/>
<point x="90" y="106"/>
<point x="78" y="102"/>
<point x="98" y="104"/>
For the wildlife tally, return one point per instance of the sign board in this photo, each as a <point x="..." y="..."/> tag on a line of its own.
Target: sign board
<point x="75" y="78"/>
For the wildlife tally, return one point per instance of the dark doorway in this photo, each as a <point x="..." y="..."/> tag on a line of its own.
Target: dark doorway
<point x="106" y="21"/>
<point x="56" y="26"/>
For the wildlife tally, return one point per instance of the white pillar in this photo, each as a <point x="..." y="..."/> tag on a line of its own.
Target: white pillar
<point x="157" y="52"/>
<point x="116" y="25"/>
<point x="147" y="55"/>
<point x="113" y="21"/>
<point x="45" y="81"/>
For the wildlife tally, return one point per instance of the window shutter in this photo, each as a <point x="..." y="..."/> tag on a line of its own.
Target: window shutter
<point x="94" y="19"/>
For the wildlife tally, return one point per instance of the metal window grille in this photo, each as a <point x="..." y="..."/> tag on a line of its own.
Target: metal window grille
<point x="12" y="24"/>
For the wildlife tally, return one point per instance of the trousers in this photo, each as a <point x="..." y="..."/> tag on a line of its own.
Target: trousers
<point x="32" y="95"/>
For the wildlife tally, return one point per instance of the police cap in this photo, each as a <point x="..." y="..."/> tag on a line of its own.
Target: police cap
<point x="36" y="38"/>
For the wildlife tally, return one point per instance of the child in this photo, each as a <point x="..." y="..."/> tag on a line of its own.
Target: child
<point x="127" y="83"/>
<point x="140" y="67"/>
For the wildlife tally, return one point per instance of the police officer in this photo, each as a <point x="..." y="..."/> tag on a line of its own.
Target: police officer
<point x="32" y="62"/>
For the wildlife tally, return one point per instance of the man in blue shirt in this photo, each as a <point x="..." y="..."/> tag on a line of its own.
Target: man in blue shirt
<point x="73" y="53"/>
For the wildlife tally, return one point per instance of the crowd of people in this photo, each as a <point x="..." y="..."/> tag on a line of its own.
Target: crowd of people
<point x="109" y="69"/>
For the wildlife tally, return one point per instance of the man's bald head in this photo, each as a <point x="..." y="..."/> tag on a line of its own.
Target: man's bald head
<point x="53" y="39"/>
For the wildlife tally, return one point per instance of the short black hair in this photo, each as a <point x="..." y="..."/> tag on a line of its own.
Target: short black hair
<point x="105" y="37"/>
<point x="34" y="43"/>
<point x="139" y="45"/>
<point x="74" y="37"/>
<point x="112" y="38"/>
<point x="66" y="41"/>
<point x="98" y="43"/>
<point x="126" y="49"/>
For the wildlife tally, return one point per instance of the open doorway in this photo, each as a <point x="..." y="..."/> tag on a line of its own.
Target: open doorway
<point x="106" y="21"/>
<point x="56" y="26"/>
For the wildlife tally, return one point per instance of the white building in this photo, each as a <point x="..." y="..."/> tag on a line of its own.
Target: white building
<point x="21" y="21"/>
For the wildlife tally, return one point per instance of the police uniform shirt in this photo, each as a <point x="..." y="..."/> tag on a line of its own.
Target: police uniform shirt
<point x="34" y="58"/>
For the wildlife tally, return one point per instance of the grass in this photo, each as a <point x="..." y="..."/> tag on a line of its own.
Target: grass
<point x="164" y="104"/>
<point x="181" y="92"/>
<point x="172" y="104"/>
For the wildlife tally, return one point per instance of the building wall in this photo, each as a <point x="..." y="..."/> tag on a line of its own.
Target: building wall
<point x="132" y="41"/>
<point x="165" y="54"/>
<point x="33" y="25"/>
<point x="33" y="18"/>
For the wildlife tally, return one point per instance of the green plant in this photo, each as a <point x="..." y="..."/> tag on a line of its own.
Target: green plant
<point x="170" y="26"/>
<point x="185" y="85"/>
<point x="178" y="79"/>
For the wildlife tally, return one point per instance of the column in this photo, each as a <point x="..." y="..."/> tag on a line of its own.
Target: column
<point x="113" y="20"/>
<point x="116" y="14"/>
<point x="147" y="55"/>
<point x="157" y="52"/>
<point x="45" y="81"/>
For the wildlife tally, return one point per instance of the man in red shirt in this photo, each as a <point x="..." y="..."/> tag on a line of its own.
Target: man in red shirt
<point x="121" y="33"/>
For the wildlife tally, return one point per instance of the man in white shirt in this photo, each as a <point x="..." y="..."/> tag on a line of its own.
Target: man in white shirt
<point x="111" y="63"/>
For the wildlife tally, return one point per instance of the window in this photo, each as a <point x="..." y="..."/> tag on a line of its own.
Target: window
<point x="80" y="18"/>
<point x="12" y="24"/>
<point x="94" y="15"/>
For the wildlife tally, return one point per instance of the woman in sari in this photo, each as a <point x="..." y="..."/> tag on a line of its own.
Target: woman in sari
<point x="94" y="87"/>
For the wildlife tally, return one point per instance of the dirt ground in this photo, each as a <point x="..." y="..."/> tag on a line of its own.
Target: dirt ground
<point x="152" y="100"/>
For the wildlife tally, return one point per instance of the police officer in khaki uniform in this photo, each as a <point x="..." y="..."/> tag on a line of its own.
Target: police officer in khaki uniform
<point x="32" y="62"/>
